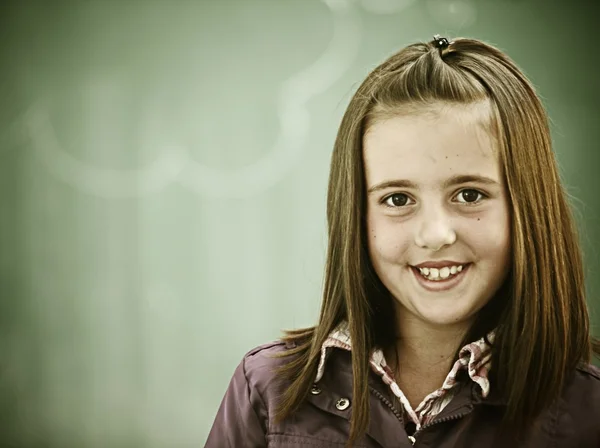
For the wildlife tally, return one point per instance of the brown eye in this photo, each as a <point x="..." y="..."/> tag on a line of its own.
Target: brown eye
<point x="396" y="200"/>
<point x="470" y="196"/>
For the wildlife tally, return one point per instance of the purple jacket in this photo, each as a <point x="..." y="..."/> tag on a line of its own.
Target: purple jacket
<point x="244" y="419"/>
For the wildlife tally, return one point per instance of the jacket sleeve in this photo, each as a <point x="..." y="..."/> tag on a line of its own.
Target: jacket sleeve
<point x="242" y="417"/>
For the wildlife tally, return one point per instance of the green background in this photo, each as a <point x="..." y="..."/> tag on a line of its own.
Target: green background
<point x="163" y="168"/>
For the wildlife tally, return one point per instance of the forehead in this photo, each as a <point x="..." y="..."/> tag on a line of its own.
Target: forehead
<point x="430" y="146"/>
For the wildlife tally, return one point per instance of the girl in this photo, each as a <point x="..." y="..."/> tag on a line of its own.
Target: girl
<point x="454" y="312"/>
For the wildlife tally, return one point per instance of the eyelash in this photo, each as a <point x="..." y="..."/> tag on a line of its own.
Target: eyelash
<point x="481" y="194"/>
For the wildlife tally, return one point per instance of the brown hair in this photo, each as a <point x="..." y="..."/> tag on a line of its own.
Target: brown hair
<point x="539" y="314"/>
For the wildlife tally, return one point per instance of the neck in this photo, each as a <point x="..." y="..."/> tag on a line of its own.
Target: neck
<point x="425" y="355"/>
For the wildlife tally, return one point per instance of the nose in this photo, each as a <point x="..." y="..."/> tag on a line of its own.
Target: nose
<point x="435" y="230"/>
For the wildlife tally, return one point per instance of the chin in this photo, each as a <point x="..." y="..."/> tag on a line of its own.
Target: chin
<point x="447" y="317"/>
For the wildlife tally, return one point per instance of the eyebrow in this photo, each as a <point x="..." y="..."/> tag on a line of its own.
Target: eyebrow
<point x="452" y="181"/>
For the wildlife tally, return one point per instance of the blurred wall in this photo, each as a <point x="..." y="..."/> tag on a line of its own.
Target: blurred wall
<point x="163" y="168"/>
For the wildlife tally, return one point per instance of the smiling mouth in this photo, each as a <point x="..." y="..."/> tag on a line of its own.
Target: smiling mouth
<point x="439" y="281"/>
<point x="441" y="274"/>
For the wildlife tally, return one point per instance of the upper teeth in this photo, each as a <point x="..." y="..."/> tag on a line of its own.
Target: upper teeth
<point x="436" y="274"/>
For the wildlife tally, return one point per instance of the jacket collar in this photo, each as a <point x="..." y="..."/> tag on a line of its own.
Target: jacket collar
<point x="475" y="358"/>
<point x="336" y="384"/>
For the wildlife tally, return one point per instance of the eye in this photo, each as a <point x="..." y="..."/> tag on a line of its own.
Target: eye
<point x="470" y="196"/>
<point x="396" y="200"/>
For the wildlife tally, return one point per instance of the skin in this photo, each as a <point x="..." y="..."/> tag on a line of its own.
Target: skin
<point x="468" y="222"/>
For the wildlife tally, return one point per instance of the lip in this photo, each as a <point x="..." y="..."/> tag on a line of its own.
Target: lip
<point x="440" y="285"/>
<point x="439" y="264"/>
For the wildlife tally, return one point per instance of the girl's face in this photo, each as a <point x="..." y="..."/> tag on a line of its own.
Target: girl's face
<point x="436" y="201"/>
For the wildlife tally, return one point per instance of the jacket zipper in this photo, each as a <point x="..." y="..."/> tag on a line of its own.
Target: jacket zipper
<point x="448" y="418"/>
<point x="413" y="438"/>
<point x="389" y="404"/>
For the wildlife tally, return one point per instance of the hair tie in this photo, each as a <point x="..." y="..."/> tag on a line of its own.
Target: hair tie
<point x="442" y="44"/>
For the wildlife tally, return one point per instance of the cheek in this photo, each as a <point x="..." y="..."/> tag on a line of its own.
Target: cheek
<point x="491" y="238"/>
<point x="386" y="242"/>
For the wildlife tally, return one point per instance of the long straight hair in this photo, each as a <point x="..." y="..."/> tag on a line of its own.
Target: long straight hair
<point x="539" y="314"/>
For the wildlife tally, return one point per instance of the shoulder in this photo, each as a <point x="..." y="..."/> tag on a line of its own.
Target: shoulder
<point x="584" y="382"/>
<point x="579" y="406"/>
<point x="582" y="388"/>
<point x="590" y="370"/>
<point x="243" y="416"/>
<point x="260" y="363"/>
<point x="266" y="356"/>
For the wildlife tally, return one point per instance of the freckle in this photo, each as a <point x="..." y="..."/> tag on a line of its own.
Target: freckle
<point x="478" y="219"/>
